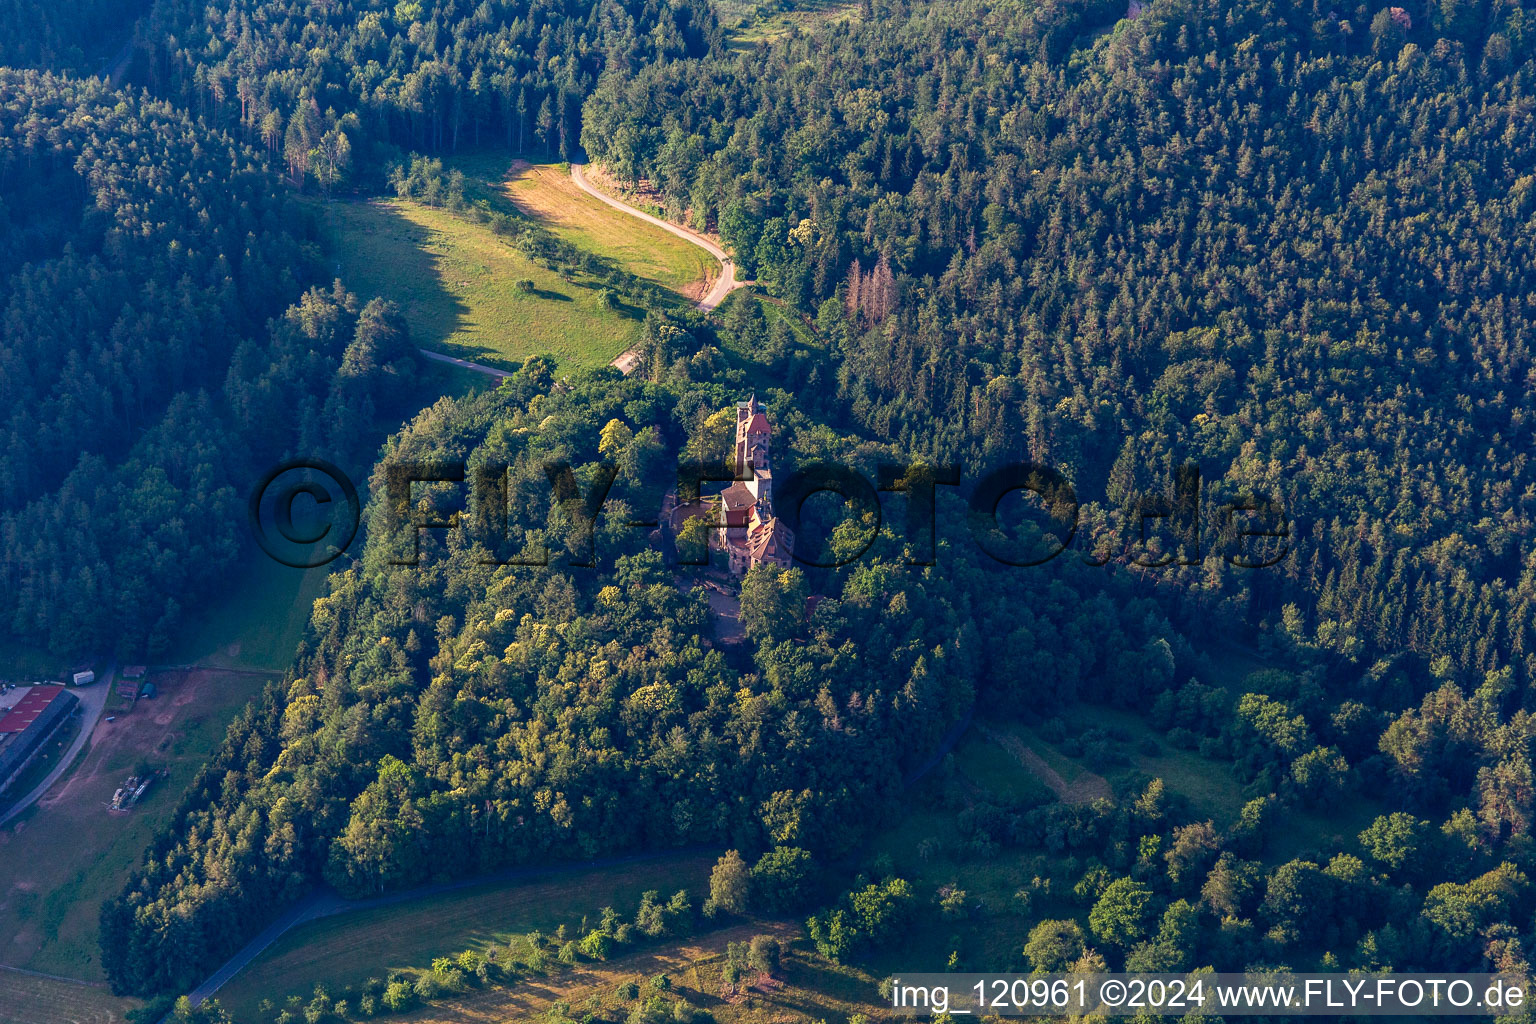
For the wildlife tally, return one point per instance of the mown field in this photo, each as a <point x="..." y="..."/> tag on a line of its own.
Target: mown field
<point x="806" y="988"/>
<point x="27" y="999"/>
<point x="457" y="285"/>
<point x="546" y="193"/>
<point x="70" y="852"/>
<point x="351" y="948"/>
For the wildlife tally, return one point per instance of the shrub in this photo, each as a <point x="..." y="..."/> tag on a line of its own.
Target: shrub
<point x="656" y="919"/>
<point x="764" y="954"/>
<point x="1182" y="738"/>
<point x="781" y="879"/>
<point x="952" y="902"/>
<point x="398" y="996"/>
<point x="428" y="987"/>
<point x="597" y="945"/>
<point x="1053" y="945"/>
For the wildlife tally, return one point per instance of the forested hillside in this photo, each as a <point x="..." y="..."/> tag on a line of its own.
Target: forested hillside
<point x="1291" y="242"/>
<point x="143" y="386"/>
<point x="65" y="35"/>
<point x="451" y="717"/>
<point x="317" y="85"/>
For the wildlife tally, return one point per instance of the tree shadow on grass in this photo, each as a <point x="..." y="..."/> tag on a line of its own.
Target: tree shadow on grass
<point x="629" y="309"/>
<point x="379" y="253"/>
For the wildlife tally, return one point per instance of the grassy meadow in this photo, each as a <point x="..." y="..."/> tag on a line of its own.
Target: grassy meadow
<point x="546" y="193"/>
<point x="751" y="22"/>
<point x="807" y="987"/>
<point x="258" y="624"/>
<point x="349" y="949"/>
<point x="29" y="999"/>
<point x="457" y="285"/>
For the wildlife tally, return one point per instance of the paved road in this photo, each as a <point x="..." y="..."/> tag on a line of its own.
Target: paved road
<point x="93" y="699"/>
<point x="466" y="364"/>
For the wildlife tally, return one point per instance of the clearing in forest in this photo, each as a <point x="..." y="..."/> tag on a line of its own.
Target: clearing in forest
<point x="546" y="193"/>
<point x="1073" y="784"/>
<point x="750" y="23"/>
<point x="461" y="288"/>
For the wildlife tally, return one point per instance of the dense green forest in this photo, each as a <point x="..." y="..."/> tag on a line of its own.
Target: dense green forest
<point x="317" y="85"/>
<point x="144" y="387"/>
<point x="1289" y="242"/>
<point x="454" y="716"/>
<point x="65" y="35"/>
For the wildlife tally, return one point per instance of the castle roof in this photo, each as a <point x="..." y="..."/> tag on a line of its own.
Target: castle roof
<point x="770" y="541"/>
<point x="737" y="496"/>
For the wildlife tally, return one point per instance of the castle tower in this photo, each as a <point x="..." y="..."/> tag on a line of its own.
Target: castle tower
<point x="752" y="438"/>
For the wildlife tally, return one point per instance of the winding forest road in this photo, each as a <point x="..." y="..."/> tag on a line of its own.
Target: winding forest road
<point x="724" y="284"/>
<point x="465" y="364"/>
<point x="326" y="902"/>
<point x="627" y="361"/>
<point x="323" y="901"/>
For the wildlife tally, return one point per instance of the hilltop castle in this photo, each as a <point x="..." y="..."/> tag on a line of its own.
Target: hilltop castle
<point x="753" y="535"/>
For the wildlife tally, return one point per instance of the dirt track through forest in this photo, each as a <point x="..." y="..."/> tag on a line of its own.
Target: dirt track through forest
<point x="724" y="284"/>
<point x="1084" y="789"/>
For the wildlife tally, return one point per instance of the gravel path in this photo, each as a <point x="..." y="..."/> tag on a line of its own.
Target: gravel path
<point x="724" y="284"/>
